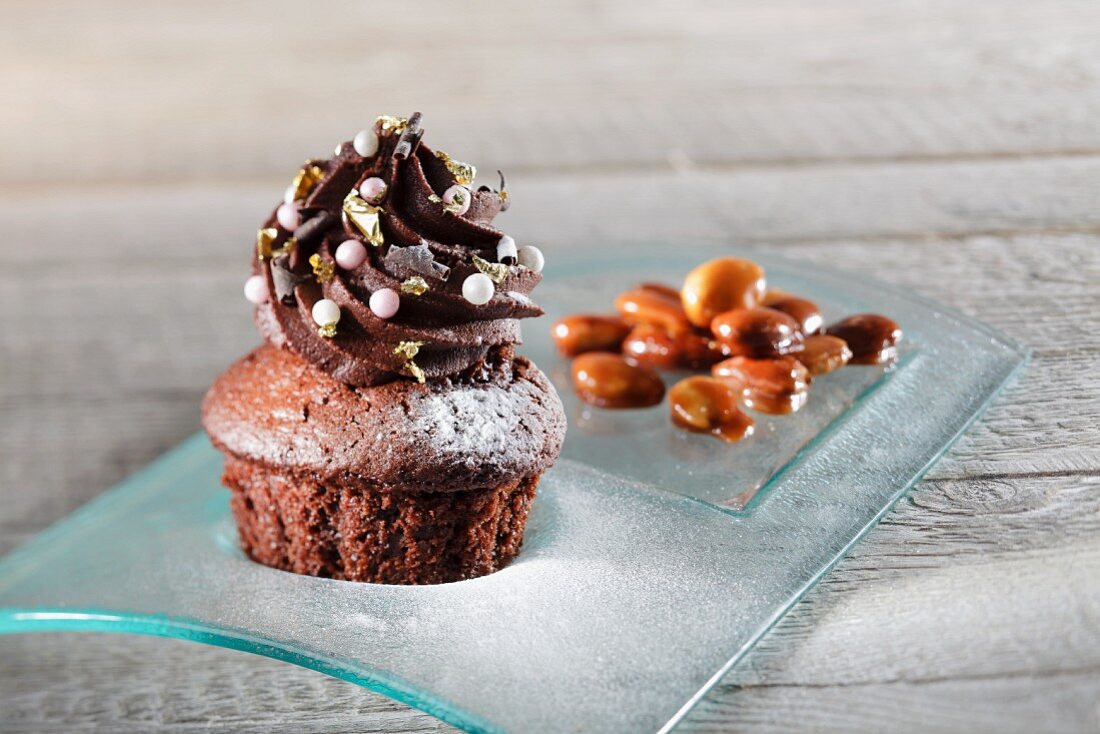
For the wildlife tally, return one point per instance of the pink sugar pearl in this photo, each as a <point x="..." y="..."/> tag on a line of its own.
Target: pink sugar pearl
<point x="288" y="216"/>
<point x="373" y="189"/>
<point x="384" y="303"/>
<point x="351" y="254"/>
<point x="255" y="289"/>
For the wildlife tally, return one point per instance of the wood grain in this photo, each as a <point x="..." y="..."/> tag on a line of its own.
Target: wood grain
<point x="942" y="146"/>
<point x="206" y="90"/>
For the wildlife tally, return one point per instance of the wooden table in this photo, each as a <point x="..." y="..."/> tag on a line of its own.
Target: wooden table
<point x="949" y="147"/>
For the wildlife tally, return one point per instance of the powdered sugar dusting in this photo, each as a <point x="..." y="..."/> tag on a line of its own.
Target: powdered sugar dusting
<point x="480" y="422"/>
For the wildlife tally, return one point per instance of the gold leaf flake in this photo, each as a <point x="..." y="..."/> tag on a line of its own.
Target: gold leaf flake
<point x="409" y="350"/>
<point x="464" y="173"/>
<point x="454" y="207"/>
<point x="414" y="370"/>
<point x="323" y="270"/>
<point x="389" y="124"/>
<point x="327" y="330"/>
<point x="497" y="272"/>
<point x="365" y="217"/>
<point x="266" y="237"/>
<point x="304" y="181"/>
<point x="414" y="286"/>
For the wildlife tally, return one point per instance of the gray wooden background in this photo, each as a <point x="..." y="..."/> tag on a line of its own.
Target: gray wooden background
<point x="952" y="147"/>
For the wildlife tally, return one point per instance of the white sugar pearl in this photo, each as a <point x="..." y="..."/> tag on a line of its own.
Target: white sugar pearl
<point x="365" y="143"/>
<point x="506" y="250"/>
<point x="255" y="289"/>
<point x="326" y="312"/>
<point x="531" y="258"/>
<point x="458" y="196"/>
<point x="478" y="289"/>
<point x="288" y="195"/>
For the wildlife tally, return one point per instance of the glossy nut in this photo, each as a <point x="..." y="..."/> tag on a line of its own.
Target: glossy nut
<point x="609" y="381"/>
<point x="872" y="338"/>
<point x="663" y="350"/>
<point x="757" y="332"/>
<point x="653" y="346"/>
<point x="646" y="305"/>
<point x="721" y="285"/>
<point x="773" y="386"/>
<point x="706" y="405"/>
<point x="582" y="333"/>
<point x="822" y="354"/>
<point x="805" y="312"/>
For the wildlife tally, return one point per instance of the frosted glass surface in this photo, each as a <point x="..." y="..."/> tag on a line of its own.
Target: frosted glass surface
<point x="640" y="581"/>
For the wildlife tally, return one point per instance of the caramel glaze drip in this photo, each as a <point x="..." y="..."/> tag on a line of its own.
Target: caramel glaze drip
<point x="455" y="334"/>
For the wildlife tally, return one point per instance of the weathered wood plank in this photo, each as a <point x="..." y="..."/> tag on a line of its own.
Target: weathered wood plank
<point x="151" y="224"/>
<point x="126" y="92"/>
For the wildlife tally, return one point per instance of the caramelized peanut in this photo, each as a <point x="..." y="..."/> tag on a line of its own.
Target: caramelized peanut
<point x="773" y="386"/>
<point x="757" y="332"/>
<point x="646" y="305"/>
<point x="721" y="285"/>
<point x="658" y="348"/>
<point x="701" y="350"/>
<point x="822" y="353"/>
<point x="872" y="338"/>
<point x="582" y="333"/>
<point x="652" y="345"/>
<point x="707" y="405"/>
<point x="805" y="312"/>
<point x="609" y="381"/>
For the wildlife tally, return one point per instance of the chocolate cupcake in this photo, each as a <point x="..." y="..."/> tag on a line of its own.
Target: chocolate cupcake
<point x="387" y="431"/>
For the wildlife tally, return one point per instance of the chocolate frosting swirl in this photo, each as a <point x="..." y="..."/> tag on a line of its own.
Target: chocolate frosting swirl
<point x="451" y="334"/>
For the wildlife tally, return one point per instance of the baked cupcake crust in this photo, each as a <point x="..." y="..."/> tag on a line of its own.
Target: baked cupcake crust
<point x="496" y="424"/>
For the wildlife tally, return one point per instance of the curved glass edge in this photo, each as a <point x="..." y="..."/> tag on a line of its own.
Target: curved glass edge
<point x="13" y="621"/>
<point x="780" y="612"/>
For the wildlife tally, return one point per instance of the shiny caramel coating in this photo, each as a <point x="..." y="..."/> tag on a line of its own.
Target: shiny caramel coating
<point x="706" y="405"/>
<point x="757" y="332"/>
<point x="582" y="333"/>
<point x="721" y="285"/>
<point x="775" y="386"/>
<point x="822" y="353"/>
<point x="872" y="338"/>
<point x="610" y="381"/>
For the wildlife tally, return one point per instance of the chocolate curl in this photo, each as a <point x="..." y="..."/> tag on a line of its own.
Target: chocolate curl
<point x="410" y="138"/>
<point x="503" y="192"/>
<point x="285" y="280"/>
<point x="506" y="251"/>
<point x="313" y="228"/>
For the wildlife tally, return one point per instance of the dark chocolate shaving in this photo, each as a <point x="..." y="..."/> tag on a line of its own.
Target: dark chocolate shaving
<point x="314" y="227"/>
<point x="410" y="138"/>
<point x="416" y="259"/>
<point x="503" y="192"/>
<point x="285" y="280"/>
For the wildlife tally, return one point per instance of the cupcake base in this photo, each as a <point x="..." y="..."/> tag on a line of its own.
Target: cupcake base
<point x="360" y="533"/>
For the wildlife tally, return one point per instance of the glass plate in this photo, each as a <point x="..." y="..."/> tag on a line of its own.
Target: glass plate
<point x="654" y="559"/>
